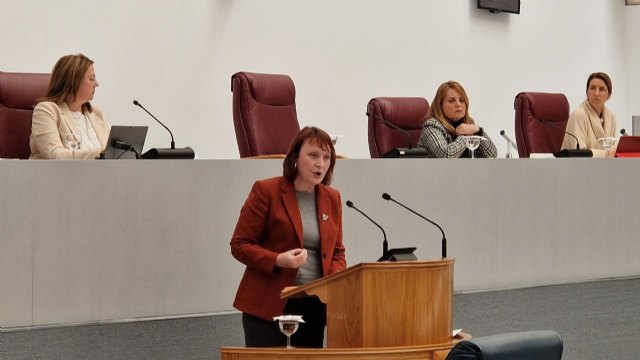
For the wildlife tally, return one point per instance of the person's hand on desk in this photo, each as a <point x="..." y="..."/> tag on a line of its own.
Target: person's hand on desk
<point x="292" y="259"/>
<point x="467" y="129"/>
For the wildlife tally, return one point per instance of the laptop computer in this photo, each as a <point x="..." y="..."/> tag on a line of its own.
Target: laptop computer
<point x="125" y="142"/>
<point x="635" y="125"/>
<point x="628" y="146"/>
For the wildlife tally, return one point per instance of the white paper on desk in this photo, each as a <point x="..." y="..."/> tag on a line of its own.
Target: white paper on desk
<point x="456" y="332"/>
<point x="541" y="156"/>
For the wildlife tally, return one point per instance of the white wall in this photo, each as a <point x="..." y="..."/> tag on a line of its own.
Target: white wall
<point x="632" y="52"/>
<point x="177" y="57"/>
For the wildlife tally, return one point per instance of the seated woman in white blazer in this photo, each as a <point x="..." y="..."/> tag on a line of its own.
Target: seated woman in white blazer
<point x="592" y="120"/>
<point x="64" y="124"/>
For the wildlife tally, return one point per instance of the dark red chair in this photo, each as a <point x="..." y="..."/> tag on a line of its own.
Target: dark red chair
<point x="18" y="96"/>
<point x="408" y="113"/>
<point x="264" y="113"/>
<point x="533" y="109"/>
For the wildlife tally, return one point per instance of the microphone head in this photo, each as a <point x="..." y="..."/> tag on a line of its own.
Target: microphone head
<point x="501" y="132"/>
<point x="136" y="103"/>
<point x="386" y="196"/>
<point x="349" y="203"/>
<point x="623" y="131"/>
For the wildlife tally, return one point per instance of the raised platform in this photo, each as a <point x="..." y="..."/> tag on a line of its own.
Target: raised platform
<point x="107" y="240"/>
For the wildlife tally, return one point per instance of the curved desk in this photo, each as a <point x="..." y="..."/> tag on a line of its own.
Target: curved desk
<point x="87" y="241"/>
<point x="426" y="352"/>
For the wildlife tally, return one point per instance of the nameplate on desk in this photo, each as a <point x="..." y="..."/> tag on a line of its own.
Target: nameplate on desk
<point x="406" y="153"/>
<point x="541" y="156"/>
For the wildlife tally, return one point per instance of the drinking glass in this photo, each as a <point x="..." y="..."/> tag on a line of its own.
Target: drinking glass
<point x="472" y="142"/>
<point x="71" y="142"/>
<point x="289" y="325"/>
<point x="608" y="143"/>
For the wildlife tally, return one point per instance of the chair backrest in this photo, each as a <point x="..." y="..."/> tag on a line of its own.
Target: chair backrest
<point x="18" y="96"/>
<point x="264" y="113"/>
<point x="528" y="345"/>
<point x="408" y="113"/>
<point x="533" y="135"/>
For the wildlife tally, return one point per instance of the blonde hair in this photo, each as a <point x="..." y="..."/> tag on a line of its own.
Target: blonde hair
<point x="66" y="77"/>
<point x="435" y="111"/>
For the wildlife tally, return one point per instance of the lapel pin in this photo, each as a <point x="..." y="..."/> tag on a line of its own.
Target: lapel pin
<point x="325" y="217"/>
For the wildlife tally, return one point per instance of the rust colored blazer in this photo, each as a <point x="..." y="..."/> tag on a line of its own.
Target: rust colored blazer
<point x="270" y="224"/>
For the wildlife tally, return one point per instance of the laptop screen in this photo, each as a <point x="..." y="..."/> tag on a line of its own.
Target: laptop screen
<point x="125" y="142"/>
<point x="628" y="146"/>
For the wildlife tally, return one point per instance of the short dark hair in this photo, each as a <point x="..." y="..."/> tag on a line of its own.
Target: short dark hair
<point x="602" y="76"/>
<point x="317" y="136"/>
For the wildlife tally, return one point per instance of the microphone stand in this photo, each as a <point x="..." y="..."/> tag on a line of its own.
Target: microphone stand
<point x="408" y="152"/>
<point x="394" y="126"/>
<point x="385" y="244"/>
<point x="577" y="152"/>
<point x="510" y="144"/>
<point x="172" y="153"/>
<point x="444" y="238"/>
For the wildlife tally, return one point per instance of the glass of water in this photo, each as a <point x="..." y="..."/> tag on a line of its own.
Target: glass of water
<point x="289" y="325"/>
<point x="71" y="142"/>
<point x="608" y="143"/>
<point x="472" y="142"/>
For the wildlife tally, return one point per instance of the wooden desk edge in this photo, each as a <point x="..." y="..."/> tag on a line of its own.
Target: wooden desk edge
<point x="433" y="351"/>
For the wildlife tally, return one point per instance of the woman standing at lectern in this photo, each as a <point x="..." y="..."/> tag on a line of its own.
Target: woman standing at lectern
<point x="592" y="120"/>
<point x="65" y="125"/>
<point x="448" y="121"/>
<point x="289" y="233"/>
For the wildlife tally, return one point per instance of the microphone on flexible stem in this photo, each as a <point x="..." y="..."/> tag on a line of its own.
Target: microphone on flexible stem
<point x="577" y="152"/>
<point x="392" y="125"/>
<point x="510" y="143"/>
<point x="172" y="153"/>
<point x="564" y="131"/>
<point x="409" y="151"/>
<point x="385" y="244"/>
<point x="444" y="239"/>
<point x="623" y="132"/>
<point x="173" y="143"/>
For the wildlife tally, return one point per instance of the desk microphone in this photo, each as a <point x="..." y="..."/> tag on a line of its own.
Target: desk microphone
<point x="561" y="129"/>
<point x="444" y="239"/>
<point x="392" y="125"/>
<point x="385" y="244"/>
<point x="577" y="152"/>
<point x="173" y="143"/>
<point x="510" y="143"/>
<point x="623" y="132"/>
<point x="172" y="153"/>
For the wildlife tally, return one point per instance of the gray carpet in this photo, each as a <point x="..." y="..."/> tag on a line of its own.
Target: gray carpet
<point x="597" y="320"/>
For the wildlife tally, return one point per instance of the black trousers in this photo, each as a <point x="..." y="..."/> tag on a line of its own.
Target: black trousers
<point x="261" y="333"/>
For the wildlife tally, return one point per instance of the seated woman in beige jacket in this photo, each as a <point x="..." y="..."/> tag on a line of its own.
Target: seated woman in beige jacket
<point x="592" y="120"/>
<point x="64" y="124"/>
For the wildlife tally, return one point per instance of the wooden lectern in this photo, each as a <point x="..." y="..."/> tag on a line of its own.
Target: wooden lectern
<point x="399" y="305"/>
